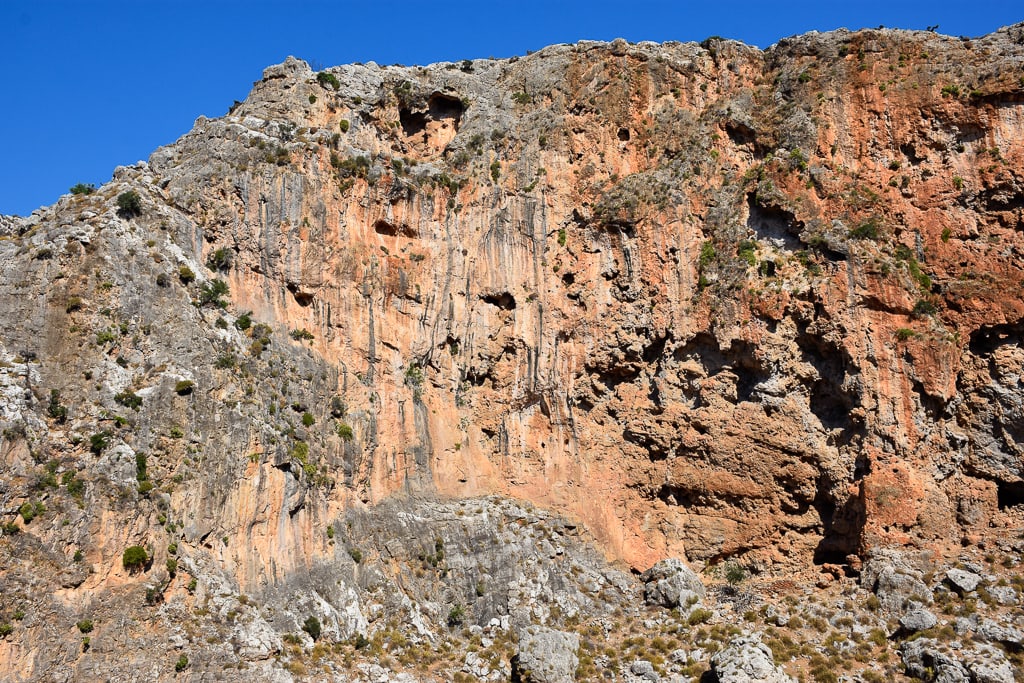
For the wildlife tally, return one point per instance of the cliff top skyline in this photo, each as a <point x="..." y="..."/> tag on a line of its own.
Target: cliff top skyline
<point x="134" y="76"/>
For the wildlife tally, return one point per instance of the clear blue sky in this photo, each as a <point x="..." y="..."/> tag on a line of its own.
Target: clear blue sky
<point x="89" y="85"/>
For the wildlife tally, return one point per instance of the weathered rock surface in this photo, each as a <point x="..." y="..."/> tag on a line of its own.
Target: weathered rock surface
<point x="547" y="655"/>
<point x="694" y="301"/>
<point x="670" y="583"/>
<point x="746" y="660"/>
<point x="917" y="619"/>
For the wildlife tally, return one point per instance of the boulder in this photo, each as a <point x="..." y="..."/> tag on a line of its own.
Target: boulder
<point x="917" y="619"/>
<point x="546" y="656"/>
<point x="670" y="583"/>
<point x="962" y="580"/>
<point x="746" y="660"/>
<point x="894" y="580"/>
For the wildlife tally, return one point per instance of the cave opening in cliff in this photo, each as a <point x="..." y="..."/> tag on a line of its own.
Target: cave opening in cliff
<point x="440" y="107"/>
<point x="773" y="224"/>
<point x="389" y="229"/>
<point x="503" y="300"/>
<point x="1009" y="494"/>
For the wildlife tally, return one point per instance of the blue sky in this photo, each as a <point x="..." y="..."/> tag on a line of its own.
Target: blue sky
<point x="89" y="85"/>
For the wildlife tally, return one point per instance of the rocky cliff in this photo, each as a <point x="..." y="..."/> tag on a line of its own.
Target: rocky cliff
<point x="400" y="350"/>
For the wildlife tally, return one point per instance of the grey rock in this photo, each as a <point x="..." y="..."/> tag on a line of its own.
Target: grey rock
<point x="547" y="655"/>
<point x="894" y="580"/>
<point x="1006" y="634"/>
<point x="917" y="619"/>
<point x="924" y="658"/>
<point x="1004" y="595"/>
<point x="963" y="581"/>
<point x="746" y="660"/>
<point x="986" y="664"/>
<point x="642" y="671"/>
<point x="670" y="583"/>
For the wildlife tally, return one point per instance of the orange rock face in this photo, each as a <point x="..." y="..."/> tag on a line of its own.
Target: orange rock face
<point x="707" y="300"/>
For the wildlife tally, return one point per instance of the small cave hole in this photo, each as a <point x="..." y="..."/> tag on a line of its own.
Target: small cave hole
<point x="413" y="122"/>
<point x="1009" y="494"/>
<point x="301" y="298"/>
<point x="502" y="300"/>
<point x="624" y="134"/>
<point x="383" y="227"/>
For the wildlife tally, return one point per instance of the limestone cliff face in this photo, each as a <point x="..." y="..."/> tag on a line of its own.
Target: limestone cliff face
<point x="705" y="301"/>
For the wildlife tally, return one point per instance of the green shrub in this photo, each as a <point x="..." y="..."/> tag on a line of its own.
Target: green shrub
<point x="243" y="322"/>
<point x="186" y="275"/>
<point x="5" y="629"/>
<point x="456" y="616"/>
<point x="85" y="626"/>
<point x="55" y="409"/>
<point x="226" y="361"/>
<point x="904" y="333"/>
<point x="326" y="79"/>
<point x="308" y="420"/>
<point x="301" y="334"/>
<point x="924" y="307"/>
<point x="312" y="627"/>
<point x="129" y="204"/>
<point x="181" y="664"/>
<point x="184" y="387"/>
<point x="344" y="125"/>
<point x="134" y="558"/>
<point x="75" y="486"/>
<point x="356" y="554"/>
<point x="73" y="304"/>
<point x="344" y="431"/>
<point x="745" y="250"/>
<point x="211" y="293"/>
<point x="734" y="573"/>
<point x="30" y="510"/>
<point x="105" y="337"/>
<point x="699" y="616"/>
<point x="495" y="170"/>
<point x="172" y="566"/>
<point x="83" y="188"/>
<point x="561" y="237"/>
<point x="707" y="255"/>
<point x="219" y="260"/>
<point x="99" y="441"/>
<point x="128" y="399"/>
<point x="868" y="230"/>
<point x="521" y="97"/>
<point x="145" y="487"/>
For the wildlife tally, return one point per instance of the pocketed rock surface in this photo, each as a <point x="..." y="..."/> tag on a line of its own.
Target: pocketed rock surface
<point x="389" y="365"/>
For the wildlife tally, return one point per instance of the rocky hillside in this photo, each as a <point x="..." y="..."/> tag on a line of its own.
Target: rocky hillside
<point x="407" y="373"/>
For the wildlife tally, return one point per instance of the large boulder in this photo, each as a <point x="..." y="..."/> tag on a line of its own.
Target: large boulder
<point x="894" y="579"/>
<point x="546" y="656"/>
<point x="962" y="580"/>
<point x="927" y="659"/>
<point x="747" y="660"/>
<point x="670" y="583"/>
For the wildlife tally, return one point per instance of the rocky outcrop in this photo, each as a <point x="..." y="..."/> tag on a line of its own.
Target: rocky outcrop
<point x="693" y="301"/>
<point x="746" y="660"/>
<point x="670" y="583"/>
<point x="546" y="656"/>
